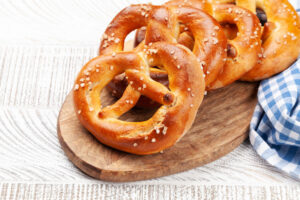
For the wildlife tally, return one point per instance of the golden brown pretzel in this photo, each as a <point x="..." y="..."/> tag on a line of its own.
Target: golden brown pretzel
<point x="169" y="123"/>
<point x="179" y="103"/>
<point x="184" y="39"/>
<point x="244" y="49"/>
<point x="210" y="40"/>
<point x="239" y="53"/>
<point x="281" y="37"/>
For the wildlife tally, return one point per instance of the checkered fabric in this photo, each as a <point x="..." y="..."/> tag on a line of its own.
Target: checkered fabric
<point x="275" y="126"/>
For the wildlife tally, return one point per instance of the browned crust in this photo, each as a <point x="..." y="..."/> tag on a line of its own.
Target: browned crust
<point x="281" y="43"/>
<point x="167" y="125"/>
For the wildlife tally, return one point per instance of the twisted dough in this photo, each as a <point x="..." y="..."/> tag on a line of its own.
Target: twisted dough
<point x="243" y="50"/>
<point x="163" y="24"/>
<point x="280" y="38"/>
<point x="179" y="102"/>
<point x="169" y="123"/>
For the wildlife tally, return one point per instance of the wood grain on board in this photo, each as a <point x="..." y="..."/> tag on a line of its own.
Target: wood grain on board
<point x="220" y="126"/>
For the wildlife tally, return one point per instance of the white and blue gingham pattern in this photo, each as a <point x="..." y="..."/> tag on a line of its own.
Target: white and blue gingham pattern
<point x="275" y="126"/>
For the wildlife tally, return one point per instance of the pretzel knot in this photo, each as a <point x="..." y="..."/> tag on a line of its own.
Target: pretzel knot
<point x="180" y="101"/>
<point x="280" y="38"/>
<point x="163" y="24"/>
<point x="205" y="37"/>
<point x="243" y="50"/>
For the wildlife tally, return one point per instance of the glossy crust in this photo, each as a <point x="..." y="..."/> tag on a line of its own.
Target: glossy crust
<point x="202" y="34"/>
<point x="127" y="20"/>
<point x="206" y="38"/>
<point x="170" y="122"/>
<point x="118" y="85"/>
<point x="281" y="38"/>
<point x="163" y="24"/>
<point x="244" y="49"/>
<point x="210" y="40"/>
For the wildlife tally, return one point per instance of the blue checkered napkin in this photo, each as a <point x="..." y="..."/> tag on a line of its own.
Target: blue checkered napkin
<point x="275" y="125"/>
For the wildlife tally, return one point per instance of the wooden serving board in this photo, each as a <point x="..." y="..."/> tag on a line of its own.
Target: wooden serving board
<point x="220" y="126"/>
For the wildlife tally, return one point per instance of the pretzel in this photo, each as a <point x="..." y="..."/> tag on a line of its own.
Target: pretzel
<point x="244" y="49"/>
<point x="280" y="38"/>
<point x="240" y="59"/>
<point x="169" y="123"/>
<point x="237" y="64"/>
<point x="179" y="101"/>
<point x="210" y="40"/>
<point x="184" y="38"/>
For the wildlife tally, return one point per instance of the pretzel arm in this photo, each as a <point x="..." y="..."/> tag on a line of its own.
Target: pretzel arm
<point x="122" y="105"/>
<point x="150" y="88"/>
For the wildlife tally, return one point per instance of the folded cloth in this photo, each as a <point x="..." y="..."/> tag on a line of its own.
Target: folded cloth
<point x="275" y="126"/>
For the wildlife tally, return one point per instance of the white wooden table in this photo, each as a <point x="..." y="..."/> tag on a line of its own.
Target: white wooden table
<point x="43" y="44"/>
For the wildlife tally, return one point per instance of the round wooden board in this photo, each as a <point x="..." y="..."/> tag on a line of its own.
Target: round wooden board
<point x="220" y="126"/>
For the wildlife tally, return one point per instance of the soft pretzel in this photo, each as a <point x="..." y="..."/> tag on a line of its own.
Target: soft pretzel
<point x="241" y="58"/>
<point x="169" y="123"/>
<point x="280" y="39"/>
<point x="244" y="49"/>
<point x="163" y="24"/>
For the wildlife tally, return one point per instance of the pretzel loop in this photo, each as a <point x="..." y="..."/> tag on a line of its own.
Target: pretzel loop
<point x="244" y="48"/>
<point x="241" y="58"/>
<point x="281" y="38"/>
<point x="163" y="24"/>
<point x="209" y="40"/>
